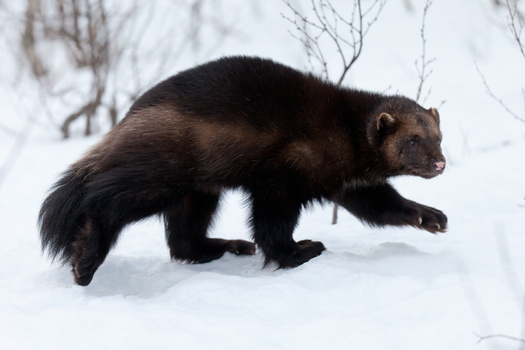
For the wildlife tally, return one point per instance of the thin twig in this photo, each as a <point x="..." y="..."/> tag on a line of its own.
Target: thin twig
<point x="500" y="101"/>
<point x="515" y="24"/>
<point x="504" y="336"/>
<point x="425" y="63"/>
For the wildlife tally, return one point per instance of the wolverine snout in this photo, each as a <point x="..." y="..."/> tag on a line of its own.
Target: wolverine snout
<point x="439" y="166"/>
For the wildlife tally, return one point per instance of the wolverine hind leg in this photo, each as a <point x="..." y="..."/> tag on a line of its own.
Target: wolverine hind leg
<point x="90" y="249"/>
<point x="187" y="223"/>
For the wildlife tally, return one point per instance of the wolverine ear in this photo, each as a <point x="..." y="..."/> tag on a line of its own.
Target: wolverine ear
<point x="435" y="114"/>
<point x="385" y="121"/>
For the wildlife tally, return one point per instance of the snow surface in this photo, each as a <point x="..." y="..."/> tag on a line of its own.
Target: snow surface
<point x="372" y="289"/>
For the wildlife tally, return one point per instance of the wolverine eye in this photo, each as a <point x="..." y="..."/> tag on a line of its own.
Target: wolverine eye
<point x="412" y="142"/>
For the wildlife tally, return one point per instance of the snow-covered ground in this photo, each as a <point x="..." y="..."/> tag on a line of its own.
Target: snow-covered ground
<point x="372" y="289"/>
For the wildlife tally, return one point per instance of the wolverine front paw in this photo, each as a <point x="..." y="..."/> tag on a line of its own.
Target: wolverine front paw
<point x="428" y="218"/>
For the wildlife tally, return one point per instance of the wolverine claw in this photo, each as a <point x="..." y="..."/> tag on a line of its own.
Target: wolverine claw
<point x="427" y="218"/>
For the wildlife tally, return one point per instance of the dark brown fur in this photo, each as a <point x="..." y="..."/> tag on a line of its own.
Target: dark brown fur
<point x="286" y="138"/>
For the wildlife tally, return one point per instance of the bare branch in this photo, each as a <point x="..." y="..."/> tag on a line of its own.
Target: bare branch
<point x="515" y="23"/>
<point x="423" y="64"/>
<point x="104" y="42"/>
<point x="29" y="41"/>
<point x="500" y="101"/>
<point x="327" y="25"/>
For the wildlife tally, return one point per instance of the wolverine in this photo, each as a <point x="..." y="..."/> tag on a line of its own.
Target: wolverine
<point x="286" y="138"/>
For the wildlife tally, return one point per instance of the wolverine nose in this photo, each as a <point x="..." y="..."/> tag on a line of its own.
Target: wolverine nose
<point x="439" y="166"/>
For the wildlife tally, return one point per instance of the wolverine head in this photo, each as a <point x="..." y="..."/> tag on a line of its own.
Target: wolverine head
<point x="409" y="139"/>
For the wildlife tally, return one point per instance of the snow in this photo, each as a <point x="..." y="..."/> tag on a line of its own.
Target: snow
<point x="372" y="289"/>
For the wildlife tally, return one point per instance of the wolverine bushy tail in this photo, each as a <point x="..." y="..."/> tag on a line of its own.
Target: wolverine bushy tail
<point x="62" y="216"/>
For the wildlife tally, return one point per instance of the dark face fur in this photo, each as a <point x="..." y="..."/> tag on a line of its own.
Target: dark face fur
<point x="412" y="143"/>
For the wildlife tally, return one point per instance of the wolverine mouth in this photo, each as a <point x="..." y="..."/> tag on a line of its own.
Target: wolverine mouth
<point x="416" y="171"/>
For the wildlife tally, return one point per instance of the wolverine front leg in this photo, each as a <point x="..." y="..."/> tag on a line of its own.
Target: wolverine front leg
<point x="273" y="220"/>
<point x="381" y="205"/>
